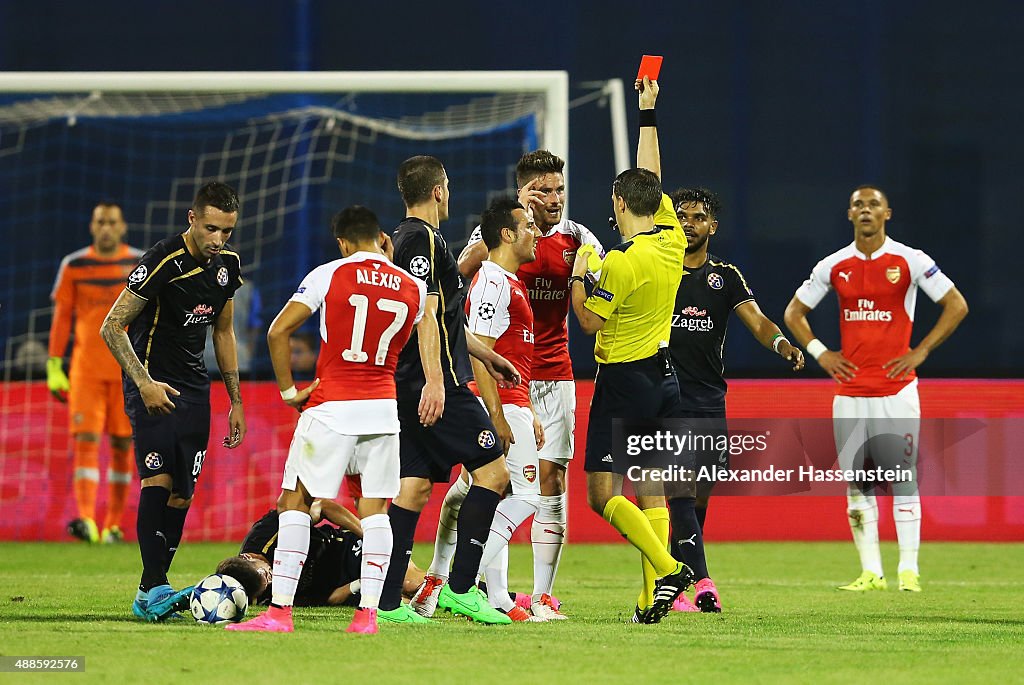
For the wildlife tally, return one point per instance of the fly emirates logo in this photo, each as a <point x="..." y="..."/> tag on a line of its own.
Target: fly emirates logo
<point x="544" y="290"/>
<point x="866" y="311"/>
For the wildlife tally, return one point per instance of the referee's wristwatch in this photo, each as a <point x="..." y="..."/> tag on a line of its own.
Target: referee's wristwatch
<point x="577" y="278"/>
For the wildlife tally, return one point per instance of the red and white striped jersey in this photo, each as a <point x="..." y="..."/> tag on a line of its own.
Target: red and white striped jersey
<point x="876" y="307"/>
<point x="547" y="282"/>
<point x="497" y="306"/>
<point x="367" y="307"/>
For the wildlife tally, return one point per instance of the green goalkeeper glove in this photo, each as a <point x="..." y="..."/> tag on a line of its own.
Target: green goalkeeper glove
<point x="56" y="381"/>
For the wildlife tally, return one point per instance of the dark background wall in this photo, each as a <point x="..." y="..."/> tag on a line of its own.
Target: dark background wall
<point x="781" y="107"/>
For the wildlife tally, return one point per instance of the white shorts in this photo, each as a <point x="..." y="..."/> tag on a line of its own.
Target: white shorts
<point x="321" y="457"/>
<point x="555" y="404"/>
<point x="523" y="469"/>
<point x="884" y="429"/>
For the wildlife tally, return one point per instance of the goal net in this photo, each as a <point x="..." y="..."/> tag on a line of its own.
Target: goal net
<point x="297" y="147"/>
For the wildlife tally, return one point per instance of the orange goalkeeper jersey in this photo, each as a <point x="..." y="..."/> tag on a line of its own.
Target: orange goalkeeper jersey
<point x="86" y="287"/>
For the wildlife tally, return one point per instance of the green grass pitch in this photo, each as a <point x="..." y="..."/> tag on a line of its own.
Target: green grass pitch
<point x="783" y="622"/>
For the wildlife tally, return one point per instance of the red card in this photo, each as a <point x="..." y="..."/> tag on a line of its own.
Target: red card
<point x="650" y="66"/>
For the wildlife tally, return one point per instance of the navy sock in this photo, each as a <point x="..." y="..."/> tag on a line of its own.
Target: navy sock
<point x="474" y="525"/>
<point x="403" y="529"/>
<point x="687" y="539"/>
<point x="174" y="524"/>
<point x="702" y="514"/>
<point x="152" y="544"/>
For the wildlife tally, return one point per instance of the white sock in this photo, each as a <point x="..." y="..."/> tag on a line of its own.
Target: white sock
<point x="906" y="512"/>
<point x="376" y="557"/>
<point x="548" y="536"/>
<point x="509" y="515"/>
<point x="863" y="513"/>
<point x="290" y="555"/>
<point x="447" y="529"/>
<point x="497" y="582"/>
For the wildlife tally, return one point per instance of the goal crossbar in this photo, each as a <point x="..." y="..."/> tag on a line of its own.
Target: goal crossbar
<point x="554" y="85"/>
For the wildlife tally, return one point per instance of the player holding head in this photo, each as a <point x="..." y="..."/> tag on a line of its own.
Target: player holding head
<point x="464" y="434"/>
<point x="182" y="286"/>
<point x="88" y="282"/>
<point x="631" y="312"/>
<point x="349" y="421"/>
<point x="876" y="280"/>
<point x="711" y="289"/>
<point x="552" y="389"/>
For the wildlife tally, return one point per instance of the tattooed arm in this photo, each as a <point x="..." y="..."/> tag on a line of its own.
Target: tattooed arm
<point x="125" y="309"/>
<point x="227" y="359"/>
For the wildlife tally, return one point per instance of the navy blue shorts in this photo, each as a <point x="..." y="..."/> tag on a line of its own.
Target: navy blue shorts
<point x="464" y="435"/>
<point x="173" y="443"/>
<point x="708" y="424"/>
<point x="644" y="389"/>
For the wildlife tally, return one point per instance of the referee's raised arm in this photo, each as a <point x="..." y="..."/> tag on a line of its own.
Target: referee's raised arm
<point x="648" y="154"/>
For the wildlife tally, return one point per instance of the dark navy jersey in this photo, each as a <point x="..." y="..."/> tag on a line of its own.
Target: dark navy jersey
<point x="183" y="298"/>
<point x="333" y="559"/>
<point x="705" y="299"/>
<point x="422" y="251"/>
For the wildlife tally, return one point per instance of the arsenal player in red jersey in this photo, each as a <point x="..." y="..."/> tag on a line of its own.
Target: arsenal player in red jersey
<point x="552" y="389"/>
<point x="876" y="412"/>
<point x="349" y="422"/>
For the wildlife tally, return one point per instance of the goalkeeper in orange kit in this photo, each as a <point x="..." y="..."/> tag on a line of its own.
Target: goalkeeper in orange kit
<point x="88" y="282"/>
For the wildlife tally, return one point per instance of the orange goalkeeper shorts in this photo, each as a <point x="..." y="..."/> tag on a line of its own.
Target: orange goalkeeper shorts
<point x="97" y="406"/>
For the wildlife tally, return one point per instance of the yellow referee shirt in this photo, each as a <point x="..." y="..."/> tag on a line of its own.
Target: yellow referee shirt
<point x="637" y="290"/>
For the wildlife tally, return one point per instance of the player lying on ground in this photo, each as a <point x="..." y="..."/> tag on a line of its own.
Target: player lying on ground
<point x="330" y="576"/>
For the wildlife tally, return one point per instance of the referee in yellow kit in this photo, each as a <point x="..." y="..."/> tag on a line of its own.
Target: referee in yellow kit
<point x="630" y="309"/>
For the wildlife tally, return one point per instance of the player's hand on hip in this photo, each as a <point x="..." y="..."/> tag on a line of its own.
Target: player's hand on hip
<point x="837" y="366"/>
<point x="648" y="90"/>
<point x="155" y="395"/>
<point x="503" y="372"/>
<point x="431" y="403"/>
<point x="56" y="380"/>
<point x="901" y="366"/>
<point x="302" y="396"/>
<point x="504" y="432"/>
<point x="792" y="354"/>
<point x="538" y="432"/>
<point x="236" y="427"/>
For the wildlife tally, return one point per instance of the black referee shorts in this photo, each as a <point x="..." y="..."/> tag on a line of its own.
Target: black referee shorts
<point x="173" y="443"/>
<point x="644" y="389"/>
<point x="464" y="435"/>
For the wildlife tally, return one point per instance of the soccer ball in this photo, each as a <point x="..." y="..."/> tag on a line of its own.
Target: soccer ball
<point x="218" y="599"/>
